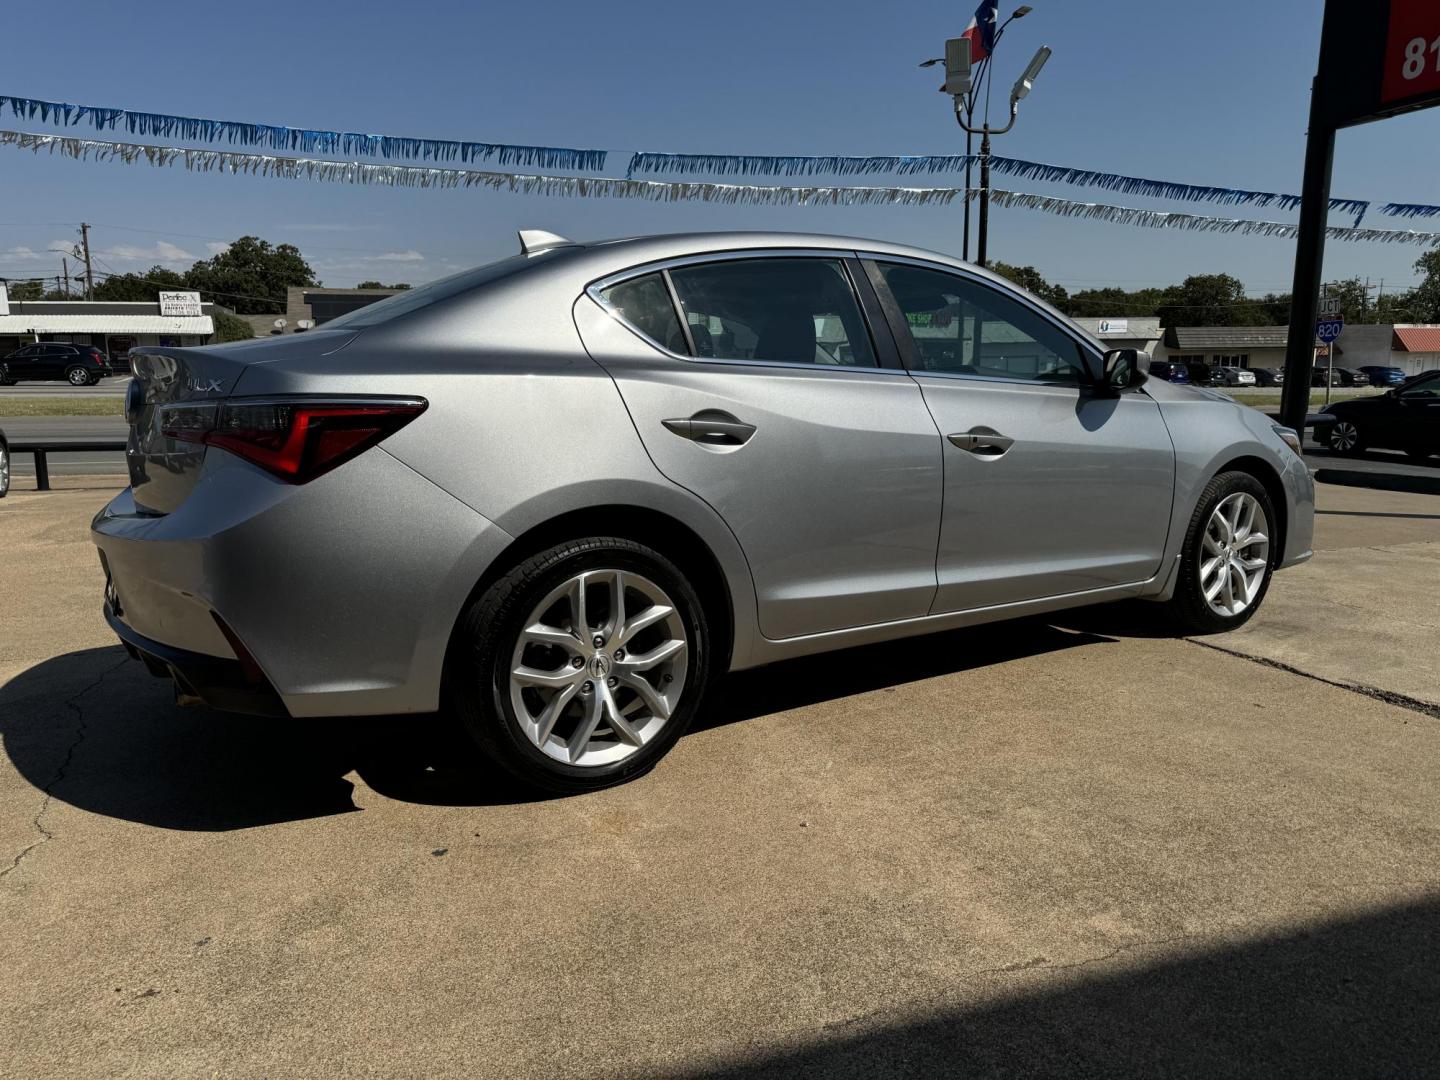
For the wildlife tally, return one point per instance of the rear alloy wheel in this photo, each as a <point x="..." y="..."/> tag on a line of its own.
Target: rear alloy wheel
<point x="1345" y="438"/>
<point x="78" y="376"/>
<point x="1226" y="563"/>
<point x="4" y="467"/>
<point x="581" y="667"/>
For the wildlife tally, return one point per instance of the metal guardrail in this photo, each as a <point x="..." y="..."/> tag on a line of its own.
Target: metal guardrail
<point x="43" y="448"/>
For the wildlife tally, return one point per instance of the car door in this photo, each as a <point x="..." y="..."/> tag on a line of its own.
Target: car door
<point x="52" y="361"/>
<point x="1419" y="414"/>
<point x="754" y="382"/>
<point x="22" y="364"/>
<point x="1050" y="490"/>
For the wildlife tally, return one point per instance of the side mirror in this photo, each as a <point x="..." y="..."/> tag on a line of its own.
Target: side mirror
<point x="1122" y="370"/>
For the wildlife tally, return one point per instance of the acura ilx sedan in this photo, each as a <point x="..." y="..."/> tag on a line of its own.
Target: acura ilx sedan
<point x="556" y="496"/>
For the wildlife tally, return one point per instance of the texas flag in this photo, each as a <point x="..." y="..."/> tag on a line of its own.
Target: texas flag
<point x="981" y="30"/>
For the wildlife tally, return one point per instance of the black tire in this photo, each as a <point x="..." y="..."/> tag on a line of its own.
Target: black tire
<point x="478" y="674"/>
<point x="1188" y="607"/>
<point x="78" y="376"/>
<point x="1345" y="437"/>
<point x="4" y="467"/>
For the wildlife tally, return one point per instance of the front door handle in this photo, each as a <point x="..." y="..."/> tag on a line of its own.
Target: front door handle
<point x="712" y="427"/>
<point x="982" y="442"/>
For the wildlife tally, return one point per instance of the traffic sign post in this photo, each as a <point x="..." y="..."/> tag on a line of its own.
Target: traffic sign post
<point x="1327" y="329"/>
<point x="1378" y="58"/>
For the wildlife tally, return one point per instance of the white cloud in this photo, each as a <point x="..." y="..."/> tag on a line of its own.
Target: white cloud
<point x="23" y="253"/>
<point x="216" y="248"/>
<point x="322" y="226"/>
<point x="161" y="252"/>
<point x="410" y="256"/>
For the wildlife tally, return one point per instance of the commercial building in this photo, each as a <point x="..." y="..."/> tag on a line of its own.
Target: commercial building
<point x="1125" y="333"/>
<point x="310" y="307"/>
<point x="112" y="327"/>
<point x="1410" y="347"/>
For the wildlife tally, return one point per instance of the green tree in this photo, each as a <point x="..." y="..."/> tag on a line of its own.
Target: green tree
<point x="251" y="276"/>
<point x="139" y="287"/>
<point x="25" y="290"/>
<point x="1027" y="277"/>
<point x="231" y="327"/>
<point x="1424" y="300"/>
<point x="1113" y="300"/>
<point x="401" y="285"/>
<point x="1208" y="300"/>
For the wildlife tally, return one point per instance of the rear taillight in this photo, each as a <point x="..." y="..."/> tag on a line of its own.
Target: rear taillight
<point x="297" y="439"/>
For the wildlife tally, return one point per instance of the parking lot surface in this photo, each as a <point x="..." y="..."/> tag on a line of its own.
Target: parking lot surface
<point x="1065" y="847"/>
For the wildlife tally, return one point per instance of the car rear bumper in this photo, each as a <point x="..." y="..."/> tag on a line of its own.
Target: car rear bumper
<point x="228" y="685"/>
<point x="343" y="592"/>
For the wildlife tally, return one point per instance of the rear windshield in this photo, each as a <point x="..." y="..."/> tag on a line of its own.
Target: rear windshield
<point x="422" y="296"/>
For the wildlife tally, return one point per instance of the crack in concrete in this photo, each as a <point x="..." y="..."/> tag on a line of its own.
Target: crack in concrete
<point x="1037" y="963"/>
<point x="72" y="702"/>
<point x="1042" y="962"/>
<point x="1389" y="697"/>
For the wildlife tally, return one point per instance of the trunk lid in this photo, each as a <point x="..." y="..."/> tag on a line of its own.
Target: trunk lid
<point x="163" y="471"/>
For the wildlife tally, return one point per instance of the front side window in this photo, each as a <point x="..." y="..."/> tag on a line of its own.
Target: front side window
<point x="962" y="327"/>
<point x="796" y="311"/>
<point x="1423" y="388"/>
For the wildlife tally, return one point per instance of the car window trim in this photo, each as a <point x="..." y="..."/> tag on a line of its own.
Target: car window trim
<point x="664" y="266"/>
<point x="1091" y="358"/>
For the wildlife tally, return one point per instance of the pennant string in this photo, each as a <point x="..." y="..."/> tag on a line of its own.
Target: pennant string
<point x="304" y="140"/>
<point x="355" y="172"/>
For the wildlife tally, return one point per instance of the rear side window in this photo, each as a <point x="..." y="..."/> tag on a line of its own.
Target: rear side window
<point x="797" y="311"/>
<point x="962" y="327"/>
<point x="644" y="302"/>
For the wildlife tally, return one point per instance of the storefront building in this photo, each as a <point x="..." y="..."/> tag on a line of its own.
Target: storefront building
<point x="113" y="328"/>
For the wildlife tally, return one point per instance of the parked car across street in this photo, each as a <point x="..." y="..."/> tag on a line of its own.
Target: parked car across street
<point x="1404" y="418"/>
<point x="79" y="365"/>
<point x="626" y="468"/>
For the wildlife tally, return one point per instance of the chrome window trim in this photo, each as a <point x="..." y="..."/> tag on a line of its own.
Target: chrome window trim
<point x="1094" y="358"/>
<point x="663" y="266"/>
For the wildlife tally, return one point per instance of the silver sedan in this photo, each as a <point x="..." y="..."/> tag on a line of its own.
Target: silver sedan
<point x="556" y="496"/>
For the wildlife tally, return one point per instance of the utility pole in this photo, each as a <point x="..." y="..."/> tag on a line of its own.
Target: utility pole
<point x="89" y="271"/>
<point x="65" y="275"/>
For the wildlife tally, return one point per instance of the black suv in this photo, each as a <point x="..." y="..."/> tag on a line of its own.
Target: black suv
<point x="79" y="365"/>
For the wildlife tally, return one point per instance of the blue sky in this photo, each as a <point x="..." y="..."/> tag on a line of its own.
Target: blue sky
<point x="1156" y="88"/>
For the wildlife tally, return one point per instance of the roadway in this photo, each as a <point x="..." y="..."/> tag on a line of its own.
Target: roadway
<point x="111" y="387"/>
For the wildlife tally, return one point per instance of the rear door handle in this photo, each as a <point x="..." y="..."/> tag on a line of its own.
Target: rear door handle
<point x="713" y="427"/>
<point x="982" y="442"/>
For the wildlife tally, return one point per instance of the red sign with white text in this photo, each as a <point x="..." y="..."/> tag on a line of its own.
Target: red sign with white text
<point x="1412" y="50"/>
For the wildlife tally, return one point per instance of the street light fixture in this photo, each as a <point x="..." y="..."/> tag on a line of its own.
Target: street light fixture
<point x="963" y="83"/>
<point x="964" y="107"/>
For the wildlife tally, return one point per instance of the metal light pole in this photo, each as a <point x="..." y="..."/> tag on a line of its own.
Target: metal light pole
<point x="968" y="96"/>
<point x="1018" y="93"/>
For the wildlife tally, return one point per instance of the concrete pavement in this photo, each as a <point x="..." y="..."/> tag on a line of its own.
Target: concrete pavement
<point x="1049" y="848"/>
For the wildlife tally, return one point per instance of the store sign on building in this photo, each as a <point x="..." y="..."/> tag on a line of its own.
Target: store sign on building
<point x="1114" y="327"/>
<point x="180" y="304"/>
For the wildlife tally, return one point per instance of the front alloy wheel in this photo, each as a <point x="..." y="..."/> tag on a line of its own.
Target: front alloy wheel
<point x="1227" y="557"/>
<point x="1345" y="438"/>
<point x="1237" y="554"/>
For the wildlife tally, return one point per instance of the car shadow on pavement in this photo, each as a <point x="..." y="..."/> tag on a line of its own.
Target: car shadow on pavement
<point x="94" y="729"/>
<point x="813" y="679"/>
<point x="1358" y="996"/>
